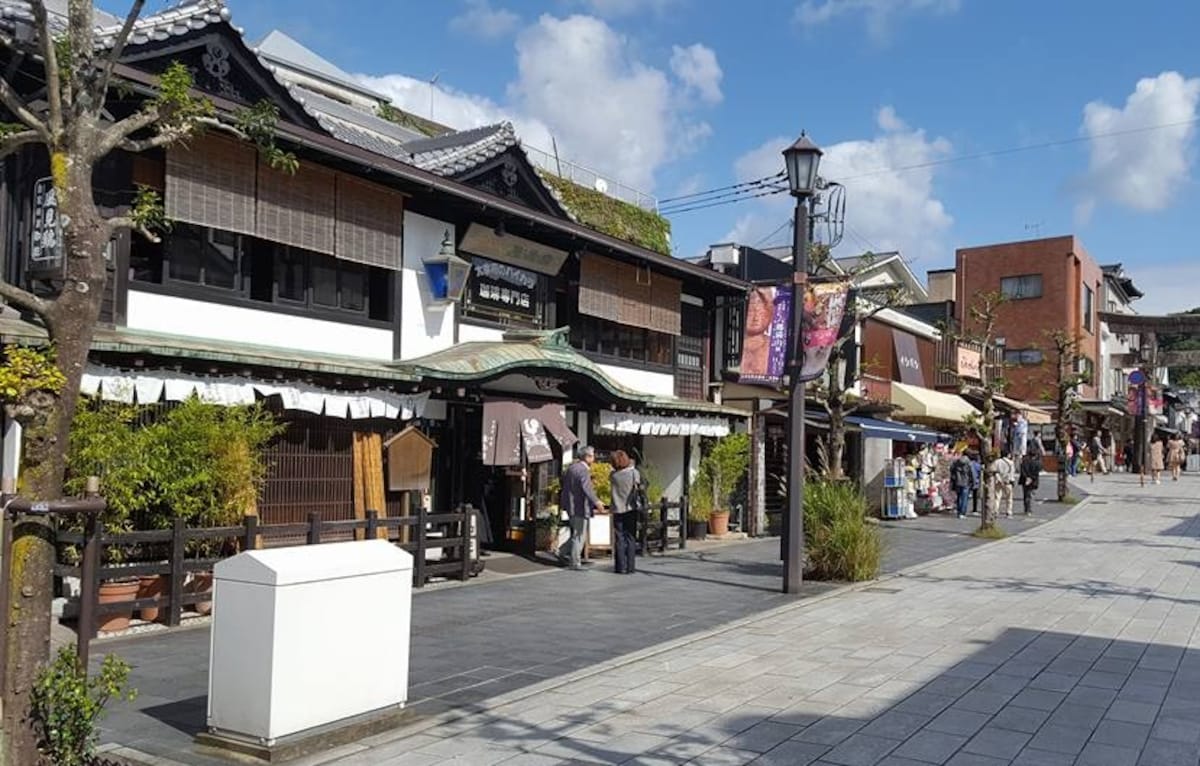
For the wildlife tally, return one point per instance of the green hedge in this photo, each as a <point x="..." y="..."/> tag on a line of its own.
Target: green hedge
<point x="841" y="544"/>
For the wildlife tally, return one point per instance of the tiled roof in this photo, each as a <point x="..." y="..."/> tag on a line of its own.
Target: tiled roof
<point x="459" y="152"/>
<point x="282" y="49"/>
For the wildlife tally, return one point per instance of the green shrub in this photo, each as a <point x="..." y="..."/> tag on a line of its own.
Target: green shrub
<point x="841" y="545"/>
<point x="722" y="470"/>
<point x="66" y="704"/>
<point x="994" y="532"/>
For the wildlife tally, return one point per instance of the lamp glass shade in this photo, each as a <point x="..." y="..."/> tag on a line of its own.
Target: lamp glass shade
<point x="437" y="272"/>
<point x="802" y="160"/>
<point x="447" y="273"/>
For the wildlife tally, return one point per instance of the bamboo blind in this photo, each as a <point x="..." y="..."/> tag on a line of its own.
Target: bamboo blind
<point x="368" y="478"/>
<point x="210" y="182"/>
<point x="370" y="223"/>
<point x="298" y="209"/>
<point x="628" y="294"/>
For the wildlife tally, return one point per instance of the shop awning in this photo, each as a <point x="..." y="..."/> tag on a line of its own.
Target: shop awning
<point x="661" y="425"/>
<point x="1101" y="408"/>
<point x="900" y="432"/>
<point x="929" y="405"/>
<point x="1035" y="416"/>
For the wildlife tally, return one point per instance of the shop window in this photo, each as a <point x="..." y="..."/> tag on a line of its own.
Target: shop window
<point x="1021" y="287"/>
<point x="1089" y="309"/>
<point x="205" y="256"/>
<point x="1023" y="357"/>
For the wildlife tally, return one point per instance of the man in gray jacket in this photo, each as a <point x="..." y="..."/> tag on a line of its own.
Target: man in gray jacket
<point x="579" y="501"/>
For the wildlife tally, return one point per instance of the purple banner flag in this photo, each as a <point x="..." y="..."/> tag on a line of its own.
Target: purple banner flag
<point x="765" y="340"/>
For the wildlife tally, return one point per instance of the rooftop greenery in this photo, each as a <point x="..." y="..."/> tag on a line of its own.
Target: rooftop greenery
<point x="611" y="216"/>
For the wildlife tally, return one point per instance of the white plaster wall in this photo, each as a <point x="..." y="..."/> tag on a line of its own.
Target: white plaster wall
<point x="665" y="453"/>
<point x="473" y="332"/>
<point x="653" y="383"/>
<point x="423" y="328"/>
<point x="876" y="455"/>
<point x="201" y="319"/>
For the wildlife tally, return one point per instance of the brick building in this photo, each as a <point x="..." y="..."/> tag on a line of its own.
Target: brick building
<point x="1050" y="284"/>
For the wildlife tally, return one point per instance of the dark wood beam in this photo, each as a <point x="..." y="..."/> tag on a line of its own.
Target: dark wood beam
<point x="1134" y="324"/>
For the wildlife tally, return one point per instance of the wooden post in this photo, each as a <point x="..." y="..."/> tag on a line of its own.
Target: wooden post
<point x="643" y="531"/>
<point x="373" y="524"/>
<point x="684" y="502"/>
<point x="314" y="528"/>
<point x="175" y="608"/>
<point x="250" y="540"/>
<point x="464" y="525"/>
<point x="419" y="564"/>
<point x="664" y="523"/>
<point x="89" y="587"/>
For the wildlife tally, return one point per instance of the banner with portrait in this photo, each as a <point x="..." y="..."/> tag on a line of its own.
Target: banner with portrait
<point x="765" y="335"/>
<point x="768" y="323"/>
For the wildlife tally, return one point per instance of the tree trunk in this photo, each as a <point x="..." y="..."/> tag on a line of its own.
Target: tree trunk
<point x="71" y="322"/>
<point x="837" y="439"/>
<point x="987" y="518"/>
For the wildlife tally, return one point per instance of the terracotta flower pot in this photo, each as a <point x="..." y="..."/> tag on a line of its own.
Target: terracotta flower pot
<point x="150" y="586"/>
<point x="718" y="523"/>
<point x="202" y="582"/>
<point x="115" y="592"/>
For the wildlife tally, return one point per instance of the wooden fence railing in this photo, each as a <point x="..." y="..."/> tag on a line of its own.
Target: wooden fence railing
<point x="452" y="536"/>
<point x="672" y="517"/>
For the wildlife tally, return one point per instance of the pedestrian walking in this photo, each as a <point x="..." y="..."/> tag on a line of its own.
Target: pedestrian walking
<point x="580" y="502"/>
<point x="961" y="475"/>
<point x="1077" y="456"/>
<point x="976" y="477"/>
<point x="1096" y="453"/>
<point x="1003" y="478"/>
<point x="1070" y="457"/>
<point x="1176" y="455"/>
<point x="627" y="503"/>
<point x="1156" y="460"/>
<point x="1129" y="456"/>
<point x="1030" y="473"/>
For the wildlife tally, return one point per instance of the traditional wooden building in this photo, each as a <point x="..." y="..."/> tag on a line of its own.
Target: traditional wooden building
<point x="405" y="274"/>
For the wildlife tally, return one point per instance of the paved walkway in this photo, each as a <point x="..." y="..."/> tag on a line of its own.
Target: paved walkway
<point x="474" y="645"/>
<point x="1075" y="643"/>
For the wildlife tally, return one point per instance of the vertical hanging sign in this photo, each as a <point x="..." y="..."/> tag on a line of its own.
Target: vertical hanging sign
<point x="45" y="241"/>
<point x="764" y="342"/>
<point x="824" y="305"/>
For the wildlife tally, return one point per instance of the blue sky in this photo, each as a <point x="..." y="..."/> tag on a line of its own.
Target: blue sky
<point x="682" y="95"/>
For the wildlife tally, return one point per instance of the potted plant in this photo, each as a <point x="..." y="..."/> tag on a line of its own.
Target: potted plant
<point x="698" y="518"/>
<point x="547" y="530"/>
<point x="721" y="472"/>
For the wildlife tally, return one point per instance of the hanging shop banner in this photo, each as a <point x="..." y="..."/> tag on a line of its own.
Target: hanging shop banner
<point x="45" y="246"/>
<point x="511" y="429"/>
<point x="824" y="305"/>
<point x="764" y="342"/>
<point x="503" y="288"/>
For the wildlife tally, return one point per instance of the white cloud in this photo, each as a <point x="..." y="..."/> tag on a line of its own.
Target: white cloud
<point x="578" y="82"/>
<point x="878" y="14"/>
<point x="696" y="65"/>
<point x="1130" y="165"/>
<point x="481" y="20"/>
<point x="884" y="210"/>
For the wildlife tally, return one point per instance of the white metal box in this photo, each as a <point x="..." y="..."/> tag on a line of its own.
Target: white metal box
<point x="307" y="636"/>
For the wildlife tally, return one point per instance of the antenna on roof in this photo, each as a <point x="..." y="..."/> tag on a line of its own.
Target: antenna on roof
<point x="432" y="82"/>
<point x="1036" y="228"/>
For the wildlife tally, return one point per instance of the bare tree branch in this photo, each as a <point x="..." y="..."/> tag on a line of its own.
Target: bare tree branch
<point x="14" y="141"/>
<point x="16" y="105"/>
<point x="23" y="299"/>
<point x="127" y="222"/>
<point x="54" y="91"/>
<point x="118" y="47"/>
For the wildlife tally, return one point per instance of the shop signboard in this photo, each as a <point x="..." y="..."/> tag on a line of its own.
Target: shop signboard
<point x="503" y="288"/>
<point x="968" y="363"/>
<point x="45" y="246"/>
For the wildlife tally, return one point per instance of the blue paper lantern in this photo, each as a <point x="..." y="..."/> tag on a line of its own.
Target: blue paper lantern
<point x="447" y="273"/>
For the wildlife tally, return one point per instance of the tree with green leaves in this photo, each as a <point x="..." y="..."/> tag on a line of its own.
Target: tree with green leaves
<point x="71" y="118"/>
<point x="1068" y="376"/>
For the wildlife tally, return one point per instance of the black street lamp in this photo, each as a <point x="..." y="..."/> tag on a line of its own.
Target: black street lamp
<point x="802" y="159"/>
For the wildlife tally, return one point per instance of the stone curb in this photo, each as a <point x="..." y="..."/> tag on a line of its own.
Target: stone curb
<point x="486" y="706"/>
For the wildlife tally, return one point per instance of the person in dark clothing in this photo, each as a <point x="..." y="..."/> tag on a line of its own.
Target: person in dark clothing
<point x="976" y="481"/>
<point x="579" y="500"/>
<point x="626" y="485"/>
<point x="1031" y="471"/>
<point x="961" y="478"/>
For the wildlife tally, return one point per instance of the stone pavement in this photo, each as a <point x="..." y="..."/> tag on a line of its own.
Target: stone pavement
<point x="1075" y="643"/>
<point x="474" y="645"/>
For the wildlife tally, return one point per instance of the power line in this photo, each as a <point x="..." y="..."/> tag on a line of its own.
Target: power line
<point x="732" y="195"/>
<point x="787" y="224"/>
<point x="767" y="193"/>
<point x="1018" y="149"/>
<point x="722" y="188"/>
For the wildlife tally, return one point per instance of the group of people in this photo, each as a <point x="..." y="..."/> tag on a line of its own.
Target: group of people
<point x="580" y="503"/>
<point x="966" y="480"/>
<point x="1170" y="452"/>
